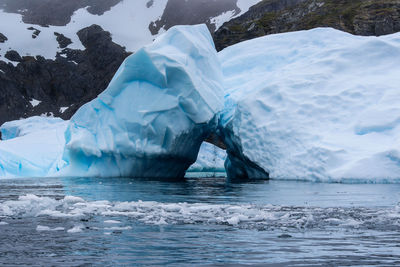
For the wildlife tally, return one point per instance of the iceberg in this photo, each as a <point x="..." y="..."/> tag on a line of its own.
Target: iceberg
<point x="210" y="162"/>
<point x="319" y="105"/>
<point x="31" y="146"/>
<point x="18" y="128"/>
<point x="151" y="120"/>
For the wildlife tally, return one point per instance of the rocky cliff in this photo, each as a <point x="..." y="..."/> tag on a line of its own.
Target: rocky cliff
<point x="360" y="17"/>
<point x="59" y="87"/>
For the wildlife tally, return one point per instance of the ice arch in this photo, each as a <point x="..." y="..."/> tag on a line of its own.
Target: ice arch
<point x="154" y="115"/>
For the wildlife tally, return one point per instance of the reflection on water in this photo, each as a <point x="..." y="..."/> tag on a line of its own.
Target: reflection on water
<point x="198" y="221"/>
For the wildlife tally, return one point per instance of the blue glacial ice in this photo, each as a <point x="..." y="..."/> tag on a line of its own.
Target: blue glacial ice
<point x="209" y="163"/>
<point x="154" y="115"/>
<point x="31" y="146"/>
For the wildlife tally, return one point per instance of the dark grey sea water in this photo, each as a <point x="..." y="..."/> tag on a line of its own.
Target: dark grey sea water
<point x="207" y="221"/>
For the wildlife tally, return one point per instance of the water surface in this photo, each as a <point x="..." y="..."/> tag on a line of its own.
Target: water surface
<point x="206" y="221"/>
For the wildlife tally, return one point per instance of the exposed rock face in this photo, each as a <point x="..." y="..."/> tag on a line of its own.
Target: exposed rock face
<point x="54" y="12"/>
<point x="360" y="17"/>
<point x="72" y="79"/>
<point x="191" y="13"/>
<point x="35" y="33"/>
<point x="3" y="38"/>
<point x="13" y="55"/>
<point x="63" y="41"/>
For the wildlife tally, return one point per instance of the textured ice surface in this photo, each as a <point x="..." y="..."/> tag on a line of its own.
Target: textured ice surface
<point x="316" y="105"/>
<point x="152" y="118"/>
<point x="32" y="147"/>
<point x="209" y="159"/>
<point x="48" y="134"/>
<point x="18" y="128"/>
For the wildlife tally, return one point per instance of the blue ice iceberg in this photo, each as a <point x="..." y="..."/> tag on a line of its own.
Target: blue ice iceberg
<point x="154" y="115"/>
<point x="31" y="147"/>
<point x="319" y="105"/>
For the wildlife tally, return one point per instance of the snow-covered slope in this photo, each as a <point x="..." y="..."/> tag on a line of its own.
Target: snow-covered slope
<point x="127" y="21"/>
<point x="318" y="105"/>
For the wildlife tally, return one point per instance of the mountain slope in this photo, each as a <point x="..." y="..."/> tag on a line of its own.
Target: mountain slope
<point x="360" y="17"/>
<point x="59" y="87"/>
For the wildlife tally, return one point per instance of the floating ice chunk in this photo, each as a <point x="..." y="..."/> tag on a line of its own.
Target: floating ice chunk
<point x="76" y="229"/>
<point x="18" y="128"/>
<point x="41" y="228"/>
<point x="210" y="159"/>
<point x="152" y="118"/>
<point x="115" y="228"/>
<point x="318" y="105"/>
<point x="31" y="146"/>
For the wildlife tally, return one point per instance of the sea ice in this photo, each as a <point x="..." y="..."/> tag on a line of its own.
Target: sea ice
<point x="154" y="115"/>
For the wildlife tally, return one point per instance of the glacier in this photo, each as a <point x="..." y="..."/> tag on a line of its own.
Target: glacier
<point x="151" y="120"/>
<point x="317" y="105"/>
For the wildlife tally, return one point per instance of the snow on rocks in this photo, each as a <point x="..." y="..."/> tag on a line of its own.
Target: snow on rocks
<point x="152" y="118"/>
<point x="319" y="105"/>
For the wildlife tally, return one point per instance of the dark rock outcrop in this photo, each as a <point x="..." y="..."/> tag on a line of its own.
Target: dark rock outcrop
<point x="149" y="3"/>
<point x="191" y="13"/>
<point x="360" y="17"/>
<point x="54" y="12"/>
<point x="63" y="41"/>
<point x="35" y="33"/>
<point x="13" y="55"/>
<point x="72" y="79"/>
<point x="3" y="38"/>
